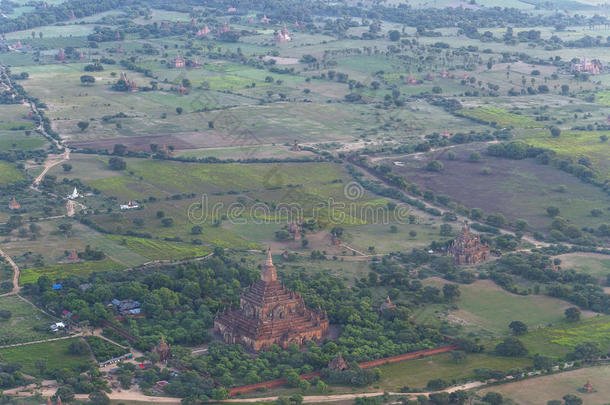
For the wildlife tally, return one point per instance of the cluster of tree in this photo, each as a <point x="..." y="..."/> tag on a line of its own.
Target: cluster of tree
<point x="579" y="288"/>
<point x="104" y="350"/>
<point x="10" y="376"/>
<point x="91" y="254"/>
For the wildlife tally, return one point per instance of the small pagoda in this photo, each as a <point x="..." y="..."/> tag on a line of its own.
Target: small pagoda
<point x="338" y="363"/>
<point x="387" y="305"/>
<point x="467" y="248"/>
<point x="270" y="314"/>
<point x="14" y="205"/>
<point x="163" y="350"/>
<point x="587" y="387"/>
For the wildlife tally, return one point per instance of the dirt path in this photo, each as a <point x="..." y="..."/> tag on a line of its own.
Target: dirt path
<point x="52" y="161"/>
<point x="342" y="397"/>
<point x="10" y="261"/>
<point x="42" y="341"/>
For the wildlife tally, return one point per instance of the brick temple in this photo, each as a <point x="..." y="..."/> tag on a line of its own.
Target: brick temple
<point x="270" y="314"/>
<point x="467" y="248"/>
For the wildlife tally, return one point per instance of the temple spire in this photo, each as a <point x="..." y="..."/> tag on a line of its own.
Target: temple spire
<point x="269" y="273"/>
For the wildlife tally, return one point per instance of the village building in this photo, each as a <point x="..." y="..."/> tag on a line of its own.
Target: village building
<point x="338" y="363"/>
<point x="131" y="205"/>
<point x="270" y="314"/>
<point x="467" y="248"/>
<point x="283" y="35"/>
<point x="593" y="67"/>
<point x="14" y="205"/>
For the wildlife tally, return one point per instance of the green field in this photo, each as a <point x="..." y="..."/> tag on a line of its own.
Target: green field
<point x="595" y="265"/>
<point x="26" y="323"/>
<point x="59" y="271"/>
<point x="56" y="355"/>
<point x="160" y="250"/>
<point x="560" y="339"/>
<point x="498" y="117"/>
<point x="417" y="373"/>
<point x="9" y="174"/>
<point x="485" y="306"/>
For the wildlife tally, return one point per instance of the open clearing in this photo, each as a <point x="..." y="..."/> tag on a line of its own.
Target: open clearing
<point x="539" y="390"/>
<point x="26" y="323"/>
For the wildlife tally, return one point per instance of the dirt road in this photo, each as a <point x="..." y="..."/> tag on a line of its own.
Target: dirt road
<point x="10" y="261"/>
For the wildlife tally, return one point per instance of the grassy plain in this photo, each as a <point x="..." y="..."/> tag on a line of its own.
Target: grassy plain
<point x="540" y="390"/>
<point x="26" y="323"/>
<point x="417" y="373"/>
<point x="59" y="271"/>
<point x="56" y="354"/>
<point x="9" y="174"/>
<point x="515" y="188"/>
<point x="483" y="305"/>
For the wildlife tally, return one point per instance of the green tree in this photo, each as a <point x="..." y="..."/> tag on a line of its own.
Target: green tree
<point x="511" y="347"/>
<point x="518" y="327"/>
<point x="571" y="399"/>
<point x="82" y="125"/>
<point x="572" y="314"/>
<point x="555" y="132"/>
<point x="493" y="398"/>
<point x="451" y="291"/>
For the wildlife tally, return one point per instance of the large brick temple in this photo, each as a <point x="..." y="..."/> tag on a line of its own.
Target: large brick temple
<point x="270" y="314"/>
<point x="467" y="248"/>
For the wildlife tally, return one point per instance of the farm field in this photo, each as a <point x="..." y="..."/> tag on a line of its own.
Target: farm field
<point x="529" y="392"/>
<point x="559" y="339"/>
<point x="59" y="271"/>
<point x="596" y="265"/>
<point x="519" y="189"/>
<point x="56" y="354"/>
<point x="26" y="323"/>
<point x="9" y="174"/>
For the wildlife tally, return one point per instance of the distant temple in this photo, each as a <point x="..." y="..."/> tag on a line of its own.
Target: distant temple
<point x="467" y="248"/>
<point x="223" y="28"/>
<point x="387" y="305"/>
<point x="178" y="62"/>
<point x="270" y="314"/>
<point x="445" y="74"/>
<point x="338" y="363"/>
<point x="201" y="32"/>
<point x="14" y="205"/>
<point x="411" y="79"/>
<point x="61" y="56"/>
<point x="264" y="19"/>
<point x="593" y="67"/>
<point x="587" y="387"/>
<point x="131" y="85"/>
<point x="294" y="229"/>
<point x="283" y="35"/>
<point x="74" y="194"/>
<point x="296" y="147"/>
<point x="163" y="350"/>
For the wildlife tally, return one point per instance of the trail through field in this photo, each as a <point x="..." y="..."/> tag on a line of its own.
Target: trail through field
<point x="52" y="161"/>
<point x="10" y="261"/>
<point x="42" y="341"/>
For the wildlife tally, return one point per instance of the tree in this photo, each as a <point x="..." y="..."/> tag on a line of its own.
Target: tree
<point x="119" y="149"/>
<point x="167" y="222"/>
<point x="67" y="167"/>
<point x="65" y="392"/>
<point x="571" y="399"/>
<point x="82" y="125"/>
<point x="117" y="163"/>
<point x="99" y="398"/>
<point x="552" y="211"/>
<point x="555" y="132"/>
<point x="86" y="79"/>
<point x="179" y="110"/>
<point x="585" y="351"/>
<point x="458" y="356"/>
<point x="434" y="166"/>
<point x="451" y="291"/>
<point x="78" y="347"/>
<point x="394" y="35"/>
<point x="445" y="230"/>
<point x="196" y="230"/>
<point x="493" y="398"/>
<point x="518" y="327"/>
<point x="511" y="347"/>
<point x="41" y="366"/>
<point x="220" y="393"/>
<point x="572" y="314"/>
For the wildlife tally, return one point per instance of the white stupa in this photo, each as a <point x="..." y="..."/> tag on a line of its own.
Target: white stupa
<point x="74" y="194"/>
